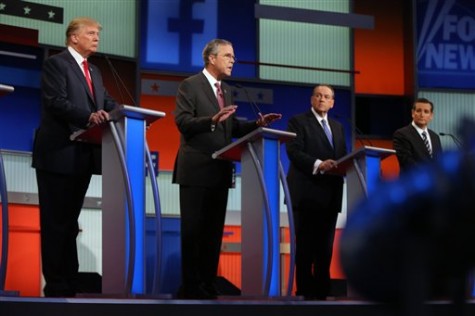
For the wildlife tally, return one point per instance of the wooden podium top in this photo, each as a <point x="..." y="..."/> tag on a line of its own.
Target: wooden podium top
<point x="234" y="150"/>
<point x="346" y="162"/>
<point x="94" y="134"/>
<point x="4" y="89"/>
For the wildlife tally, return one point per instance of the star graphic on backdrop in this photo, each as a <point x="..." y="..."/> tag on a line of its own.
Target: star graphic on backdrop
<point x="155" y="87"/>
<point x="51" y="14"/>
<point x="26" y="10"/>
<point x="2" y="6"/>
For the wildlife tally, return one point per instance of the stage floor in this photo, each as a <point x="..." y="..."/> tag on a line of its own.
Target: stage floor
<point x="224" y="306"/>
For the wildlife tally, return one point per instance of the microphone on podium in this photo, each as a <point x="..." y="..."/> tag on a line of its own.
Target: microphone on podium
<point x="117" y="80"/>
<point x="455" y="139"/>
<point x="356" y="129"/>
<point x="255" y="108"/>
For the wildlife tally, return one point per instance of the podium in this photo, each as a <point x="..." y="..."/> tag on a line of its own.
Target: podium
<point x="259" y="154"/>
<point x="4" y="90"/>
<point x="123" y="197"/>
<point x="362" y="168"/>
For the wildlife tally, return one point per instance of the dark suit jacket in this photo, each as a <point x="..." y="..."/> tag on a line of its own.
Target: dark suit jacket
<point x="410" y="147"/>
<point x="66" y="106"/>
<point x="308" y="190"/>
<point x="196" y="103"/>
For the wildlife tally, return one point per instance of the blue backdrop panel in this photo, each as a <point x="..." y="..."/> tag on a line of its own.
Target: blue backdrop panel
<point x="174" y="33"/>
<point x="20" y="67"/>
<point x="445" y="43"/>
<point x="20" y="111"/>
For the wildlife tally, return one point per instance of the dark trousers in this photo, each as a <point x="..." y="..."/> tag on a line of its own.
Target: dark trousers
<point x="315" y="233"/>
<point x="61" y="198"/>
<point x="203" y="213"/>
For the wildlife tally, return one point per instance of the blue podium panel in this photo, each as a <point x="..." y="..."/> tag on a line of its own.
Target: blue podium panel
<point x="362" y="169"/>
<point x="135" y="158"/>
<point x="271" y="154"/>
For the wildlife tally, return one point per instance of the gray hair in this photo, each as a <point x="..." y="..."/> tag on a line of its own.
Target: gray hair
<point x="212" y="48"/>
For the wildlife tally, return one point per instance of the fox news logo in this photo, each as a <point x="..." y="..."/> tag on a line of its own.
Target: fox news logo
<point x="179" y="29"/>
<point x="446" y="38"/>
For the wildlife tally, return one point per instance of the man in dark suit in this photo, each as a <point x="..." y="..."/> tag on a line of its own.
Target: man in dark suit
<point x="316" y="194"/>
<point x="205" y="117"/>
<point x="70" y="102"/>
<point x="416" y="143"/>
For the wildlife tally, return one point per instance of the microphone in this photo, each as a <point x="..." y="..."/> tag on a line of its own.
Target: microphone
<point x="357" y="130"/>
<point x="455" y="139"/>
<point x="255" y="108"/>
<point x="118" y="80"/>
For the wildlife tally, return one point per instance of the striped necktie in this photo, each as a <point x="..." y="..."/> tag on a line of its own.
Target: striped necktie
<point x="426" y="142"/>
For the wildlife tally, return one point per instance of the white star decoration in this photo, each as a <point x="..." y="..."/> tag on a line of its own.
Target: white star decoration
<point x="51" y="14"/>
<point x="26" y="10"/>
<point x="2" y="6"/>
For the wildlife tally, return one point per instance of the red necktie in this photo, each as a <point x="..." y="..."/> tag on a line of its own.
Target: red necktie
<point x="219" y="95"/>
<point x="85" y="66"/>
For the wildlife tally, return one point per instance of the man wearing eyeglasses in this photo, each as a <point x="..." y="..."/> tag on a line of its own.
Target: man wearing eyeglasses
<point x="205" y="117"/>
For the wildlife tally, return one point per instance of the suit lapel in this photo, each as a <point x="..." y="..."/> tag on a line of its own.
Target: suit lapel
<point x="318" y="131"/>
<point x="94" y="72"/>
<point x="421" y="147"/>
<point x="209" y="92"/>
<point x="78" y="71"/>
<point x="227" y="94"/>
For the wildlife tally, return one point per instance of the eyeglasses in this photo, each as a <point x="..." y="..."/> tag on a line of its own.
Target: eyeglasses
<point x="229" y="56"/>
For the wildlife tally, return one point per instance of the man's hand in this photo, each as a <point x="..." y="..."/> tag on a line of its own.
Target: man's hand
<point x="327" y="165"/>
<point x="267" y="119"/>
<point x="224" y="113"/>
<point x="98" y="117"/>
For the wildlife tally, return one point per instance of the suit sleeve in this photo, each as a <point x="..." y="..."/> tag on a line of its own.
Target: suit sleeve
<point x="190" y="119"/>
<point x="404" y="150"/>
<point x="55" y="94"/>
<point x="296" y="148"/>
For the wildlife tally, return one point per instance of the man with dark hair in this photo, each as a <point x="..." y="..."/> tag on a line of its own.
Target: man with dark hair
<point x="416" y="143"/>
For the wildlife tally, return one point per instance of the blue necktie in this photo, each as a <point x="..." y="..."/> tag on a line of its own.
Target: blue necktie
<point x="327" y="131"/>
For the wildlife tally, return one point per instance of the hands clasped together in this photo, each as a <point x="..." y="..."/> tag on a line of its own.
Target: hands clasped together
<point x="98" y="117"/>
<point x="327" y="165"/>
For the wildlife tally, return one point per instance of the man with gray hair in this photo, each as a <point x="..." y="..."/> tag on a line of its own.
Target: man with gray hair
<point x="205" y="117"/>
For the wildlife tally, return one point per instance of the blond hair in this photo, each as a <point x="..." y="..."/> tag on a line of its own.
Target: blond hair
<point x="78" y="23"/>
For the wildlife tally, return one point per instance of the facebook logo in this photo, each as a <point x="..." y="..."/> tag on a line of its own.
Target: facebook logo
<point x="177" y="31"/>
